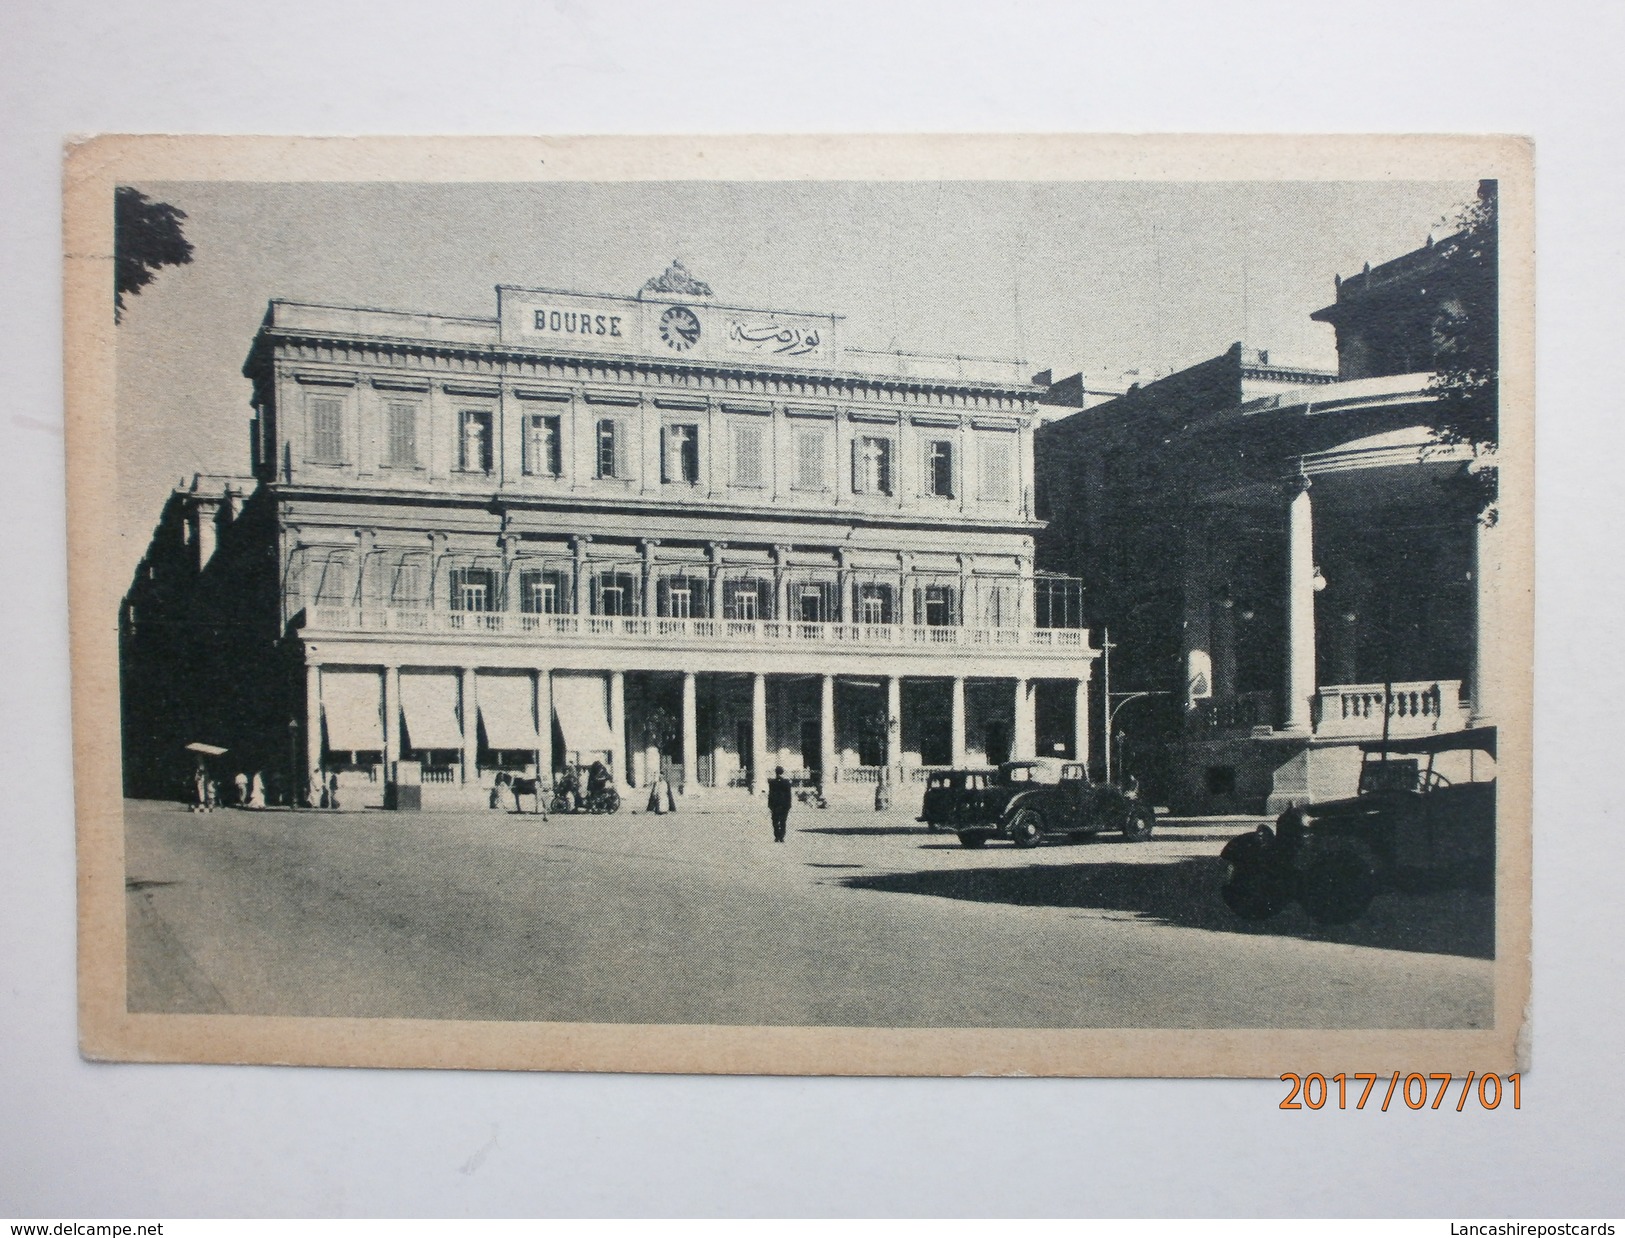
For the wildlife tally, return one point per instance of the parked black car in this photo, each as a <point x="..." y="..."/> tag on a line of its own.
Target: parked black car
<point x="1027" y="801"/>
<point x="1412" y="827"/>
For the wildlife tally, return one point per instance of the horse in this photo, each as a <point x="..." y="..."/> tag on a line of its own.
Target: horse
<point x="531" y="787"/>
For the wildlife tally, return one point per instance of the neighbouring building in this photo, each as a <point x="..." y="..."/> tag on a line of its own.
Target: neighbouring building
<point x="681" y="537"/>
<point x="1288" y="562"/>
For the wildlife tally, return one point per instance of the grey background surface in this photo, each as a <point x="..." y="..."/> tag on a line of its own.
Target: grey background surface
<point x="94" y="1140"/>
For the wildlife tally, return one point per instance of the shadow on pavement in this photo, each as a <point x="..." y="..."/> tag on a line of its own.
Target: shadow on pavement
<point x="859" y="830"/>
<point x="1185" y="894"/>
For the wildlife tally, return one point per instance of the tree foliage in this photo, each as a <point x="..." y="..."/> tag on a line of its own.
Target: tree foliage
<point x="1466" y="344"/>
<point x="147" y="235"/>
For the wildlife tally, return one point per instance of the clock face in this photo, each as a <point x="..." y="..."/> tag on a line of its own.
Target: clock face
<point x="679" y="328"/>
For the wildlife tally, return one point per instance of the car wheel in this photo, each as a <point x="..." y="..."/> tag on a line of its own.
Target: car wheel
<point x="1138" y="822"/>
<point x="1254" y="895"/>
<point x="1026" y="828"/>
<point x="972" y="838"/>
<point x="931" y="827"/>
<point x="1337" y="888"/>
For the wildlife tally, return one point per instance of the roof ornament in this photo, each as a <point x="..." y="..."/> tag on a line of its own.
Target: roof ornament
<point x="677" y="281"/>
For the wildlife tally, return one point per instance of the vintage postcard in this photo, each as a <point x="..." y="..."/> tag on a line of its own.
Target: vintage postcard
<point x="923" y="606"/>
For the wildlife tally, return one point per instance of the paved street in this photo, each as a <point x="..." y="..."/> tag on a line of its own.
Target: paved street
<point x="859" y="919"/>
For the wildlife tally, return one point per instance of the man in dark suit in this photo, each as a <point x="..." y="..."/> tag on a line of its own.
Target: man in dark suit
<point x="778" y="802"/>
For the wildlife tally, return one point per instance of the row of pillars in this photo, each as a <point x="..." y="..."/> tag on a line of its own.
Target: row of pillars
<point x="1210" y="656"/>
<point x="1023" y="738"/>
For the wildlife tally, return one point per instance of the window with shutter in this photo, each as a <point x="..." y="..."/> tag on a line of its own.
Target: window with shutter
<point x="608" y="448"/>
<point x="871" y="465"/>
<point x="472" y="588"/>
<point x="810" y="459"/>
<point x="747" y="455"/>
<point x="939" y="468"/>
<point x="623" y="449"/>
<point x="401" y="435"/>
<point x="680" y="454"/>
<point x="327" y="430"/>
<point x="474" y="447"/>
<point x="543" y="457"/>
<point x="408" y="590"/>
<point x="996" y="455"/>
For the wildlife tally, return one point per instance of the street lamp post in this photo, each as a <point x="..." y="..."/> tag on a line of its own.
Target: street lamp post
<point x="1114" y="701"/>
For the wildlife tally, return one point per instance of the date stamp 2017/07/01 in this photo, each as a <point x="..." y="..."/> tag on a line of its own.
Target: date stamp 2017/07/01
<point x="1312" y="1091"/>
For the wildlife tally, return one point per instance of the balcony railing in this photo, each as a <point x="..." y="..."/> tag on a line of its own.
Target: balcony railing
<point x="1414" y="708"/>
<point x="1350" y="711"/>
<point x="643" y="630"/>
<point x="1241" y="712"/>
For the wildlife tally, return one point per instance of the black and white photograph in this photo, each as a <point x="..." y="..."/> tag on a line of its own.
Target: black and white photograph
<point x="919" y="623"/>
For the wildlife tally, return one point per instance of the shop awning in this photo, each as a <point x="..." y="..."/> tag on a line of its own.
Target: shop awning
<point x="350" y="708"/>
<point x="508" y="712"/>
<point x="582" y="706"/>
<point x="430" y="705"/>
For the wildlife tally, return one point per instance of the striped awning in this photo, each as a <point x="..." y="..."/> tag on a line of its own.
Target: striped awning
<point x="508" y="710"/>
<point x="350" y="711"/>
<point x="429" y="701"/>
<point x="581" y="704"/>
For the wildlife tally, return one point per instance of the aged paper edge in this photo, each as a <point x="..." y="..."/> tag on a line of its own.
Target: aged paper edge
<point x="107" y="1031"/>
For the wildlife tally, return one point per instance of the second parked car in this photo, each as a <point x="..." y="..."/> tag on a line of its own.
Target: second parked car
<point x="1027" y="801"/>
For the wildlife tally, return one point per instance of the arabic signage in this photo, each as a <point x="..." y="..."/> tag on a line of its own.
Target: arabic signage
<point x="775" y="337"/>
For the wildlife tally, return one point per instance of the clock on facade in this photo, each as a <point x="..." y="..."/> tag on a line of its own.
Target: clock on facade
<point x="680" y="328"/>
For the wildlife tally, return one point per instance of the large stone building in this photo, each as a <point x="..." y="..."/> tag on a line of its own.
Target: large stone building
<point x="659" y="531"/>
<point x="1290" y="563"/>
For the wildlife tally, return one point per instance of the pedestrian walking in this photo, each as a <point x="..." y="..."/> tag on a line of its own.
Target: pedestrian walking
<point x="778" y="802"/>
<point x="239" y="784"/>
<point x="256" y="790"/>
<point x="333" y="791"/>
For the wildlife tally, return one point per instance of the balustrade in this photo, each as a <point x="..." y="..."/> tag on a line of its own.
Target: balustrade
<point x="1413" y="708"/>
<point x="726" y="631"/>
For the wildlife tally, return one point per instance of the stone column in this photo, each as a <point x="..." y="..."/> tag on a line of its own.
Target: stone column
<point x="617" y="727"/>
<point x="758" y="734"/>
<point x="894" y="725"/>
<point x="313" y="721"/>
<point x="1080" y="721"/>
<point x="781" y="583"/>
<point x="646" y="602"/>
<point x="392" y="721"/>
<point x="580" y="585"/>
<point x="956" y="724"/>
<point x="1023" y="740"/>
<point x="1299" y="688"/>
<point x="544" y="725"/>
<point x="471" y="727"/>
<point x="826" y="726"/>
<point x="1486" y="591"/>
<point x="713" y="600"/>
<point x="689" y="727"/>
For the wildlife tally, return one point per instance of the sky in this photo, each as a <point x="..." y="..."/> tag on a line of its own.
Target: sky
<point x="1099" y="276"/>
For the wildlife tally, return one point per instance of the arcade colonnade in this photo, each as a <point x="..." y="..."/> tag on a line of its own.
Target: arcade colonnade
<point x="458" y="726"/>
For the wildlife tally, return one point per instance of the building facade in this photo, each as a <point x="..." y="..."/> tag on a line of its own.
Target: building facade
<point x="1288" y="563"/>
<point x="684" y="538"/>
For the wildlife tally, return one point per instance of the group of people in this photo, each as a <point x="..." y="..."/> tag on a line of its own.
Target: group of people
<point x="570" y="791"/>
<point x="205" y="794"/>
